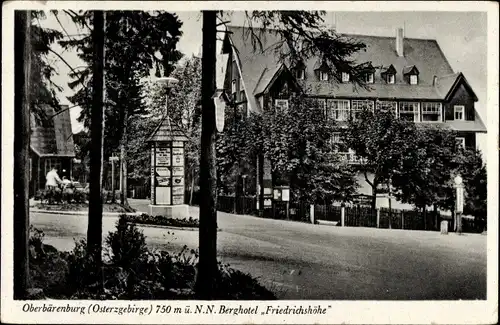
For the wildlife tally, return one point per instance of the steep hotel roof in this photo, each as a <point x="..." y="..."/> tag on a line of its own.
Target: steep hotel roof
<point x="258" y="67"/>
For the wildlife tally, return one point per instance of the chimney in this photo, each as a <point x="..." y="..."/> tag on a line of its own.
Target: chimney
<point x="400" y="42"/>
<point x="434" y="80"/>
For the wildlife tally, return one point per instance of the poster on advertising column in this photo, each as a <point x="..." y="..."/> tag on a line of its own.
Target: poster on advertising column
<point x="177" y="156"/>
<point x="163" y="176"/>
<point x="163" y="156"/>
<point x="178" y="171"/>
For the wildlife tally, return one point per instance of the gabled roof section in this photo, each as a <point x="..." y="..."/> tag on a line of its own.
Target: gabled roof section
<point x="388" y="70"/>
<point x="411" y="69"/>
<point x="54" y="137"/>
<point x="167" y="130"/>
<point x="446" y="85"/>
<point x="270" y="76"/>
<point x="321" y="65"/>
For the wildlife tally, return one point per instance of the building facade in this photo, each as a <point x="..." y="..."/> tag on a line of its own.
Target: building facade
<point x="410" y="77"/>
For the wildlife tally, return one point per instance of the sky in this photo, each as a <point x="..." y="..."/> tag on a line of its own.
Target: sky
<point x="462" y="37"/>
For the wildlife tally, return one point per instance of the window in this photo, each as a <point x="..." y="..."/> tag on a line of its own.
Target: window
<point x="281" y="105"/>
<point x="391" y="79"/>
<point x="52" y="162"/>
<point x="369" y="78"/>
<point x="386" y="106"/>
<point x="431" y="112"/>
<point x="338" y="145"/>
<point x="336" y="137"/>
<point x="338" y="110"/>
<point x="345" y="77"/>
<point x="408" y="111"/>
<point x="359" y="106"/>
<point x="323" y="76"/>
<point x="459" y="112"/>
<point x="413" y="79"/>
<point x="301" y="74"/>
<point x="461" y="142"/>
<point x="233" y="86"/>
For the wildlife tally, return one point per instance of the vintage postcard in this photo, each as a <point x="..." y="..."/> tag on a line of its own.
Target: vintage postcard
<point x="169" y="162"/>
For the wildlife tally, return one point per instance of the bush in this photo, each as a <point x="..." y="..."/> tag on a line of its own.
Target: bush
<point x="132" y="272"/>
<point x="127" y="244"/>
<point x="81" y="267"/>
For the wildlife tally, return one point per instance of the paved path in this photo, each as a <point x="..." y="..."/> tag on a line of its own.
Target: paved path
<point x="304" y="261"/>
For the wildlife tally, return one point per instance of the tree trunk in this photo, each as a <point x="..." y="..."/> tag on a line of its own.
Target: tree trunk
<point x="436" y="225"/>
<point x="424" y="214"/>
<point x="22" y="61"/>
<point x="374" y="195"/>
<point x="192" y="188"/>
<point x="207" y="266"/>
<point x="123" y="168"/>
<point x="94" y="231"/>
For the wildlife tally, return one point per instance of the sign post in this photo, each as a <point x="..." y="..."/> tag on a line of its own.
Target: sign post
<point x="112" y="160"/>
<point x="459" y="203"/>
<point x="220" y="100"/>
<point x="282" y="193"/>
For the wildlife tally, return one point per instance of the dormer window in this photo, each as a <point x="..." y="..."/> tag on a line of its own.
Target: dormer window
<point x="321" y="69"/>
<point x="301" y="74"/>
<point x="233" y="86"/>
<point x="410" y="74"/>
<point x="299" y="70"/>
<point x="389" y="74"/>
<point x="345" y="77"/>
<point x="369" y="77"/>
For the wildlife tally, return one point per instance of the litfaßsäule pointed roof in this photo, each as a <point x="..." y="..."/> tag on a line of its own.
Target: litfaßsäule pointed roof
<point x="167" y="131"/>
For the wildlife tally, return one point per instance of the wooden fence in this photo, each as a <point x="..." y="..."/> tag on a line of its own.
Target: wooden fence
<point x="353" y="216"/>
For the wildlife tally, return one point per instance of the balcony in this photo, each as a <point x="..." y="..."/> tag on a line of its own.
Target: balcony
<point x="351" y="158"/>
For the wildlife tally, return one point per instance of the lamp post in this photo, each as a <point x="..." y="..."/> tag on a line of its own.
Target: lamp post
<point x="168" y="83"/>
<point x="459" y="202"/>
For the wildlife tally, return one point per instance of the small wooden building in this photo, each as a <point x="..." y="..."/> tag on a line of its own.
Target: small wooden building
<point x="51" y="144"/>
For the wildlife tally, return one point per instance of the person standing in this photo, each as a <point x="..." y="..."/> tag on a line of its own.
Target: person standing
<point x="51" y="183"/>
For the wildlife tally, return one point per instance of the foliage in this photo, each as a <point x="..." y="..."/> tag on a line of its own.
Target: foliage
<point x="236" y="149"/>
<point x="136" y="43"/>
<point x="145" y="219"/>
<point x="426" y="170"/>
<point x="471" y="168"/>
<point x="43" y="89"/>
<point x="183" y="109"/>
<point x="297" y="142"/>
<point x="144" y="274"/>
<point x="81" y="267"/>
<point x="127" y="243"/>
<point x="303" y="35"/>
<point x="382" y="141"/>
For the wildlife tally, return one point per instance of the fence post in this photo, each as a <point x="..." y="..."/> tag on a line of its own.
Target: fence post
<point x="342" y="216"/>
<point x="402" y="220"/>
<point x="311" y="213"/>
<point x="378" y="218"/>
